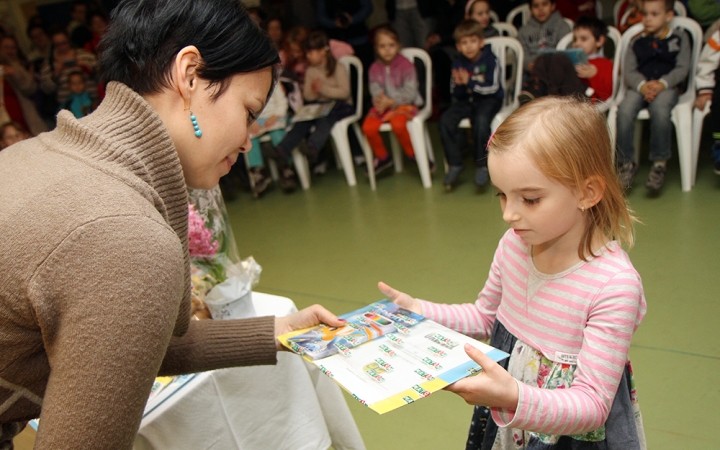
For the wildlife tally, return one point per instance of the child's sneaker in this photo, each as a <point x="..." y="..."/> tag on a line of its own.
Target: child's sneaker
<point x="716" y="157"/>
<point x="287" y="179"/>
<point x="260" y="181"/>
<point x="626" y="174"/>
<point x="481" y="176"/>
<point x="656" y="177"/>
<point x="451" y="176"/>
<point x="320" y="168"/>
<point x="380" y="165"/>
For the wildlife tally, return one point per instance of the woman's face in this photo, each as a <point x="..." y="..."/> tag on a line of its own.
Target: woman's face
<point x="61" y="43"/>
<point x="224" y="123"/>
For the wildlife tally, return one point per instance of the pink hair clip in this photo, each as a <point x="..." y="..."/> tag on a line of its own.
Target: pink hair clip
<point x="490" y="140"/>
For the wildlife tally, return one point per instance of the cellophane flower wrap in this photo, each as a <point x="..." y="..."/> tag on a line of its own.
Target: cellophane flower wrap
<point x="213" y="253"/>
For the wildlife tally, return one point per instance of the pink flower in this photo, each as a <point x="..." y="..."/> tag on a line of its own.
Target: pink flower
<point x="200" y="239"/>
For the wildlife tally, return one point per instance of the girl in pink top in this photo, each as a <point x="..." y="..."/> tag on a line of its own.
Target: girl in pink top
<point x="562" y="296"/>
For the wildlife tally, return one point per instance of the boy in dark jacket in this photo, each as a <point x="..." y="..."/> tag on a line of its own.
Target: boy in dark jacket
<point x="477" y="94"/>
<point x="655" y="69"/>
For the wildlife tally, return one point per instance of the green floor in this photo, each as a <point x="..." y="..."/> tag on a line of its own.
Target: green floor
<point x="333" y="243"/>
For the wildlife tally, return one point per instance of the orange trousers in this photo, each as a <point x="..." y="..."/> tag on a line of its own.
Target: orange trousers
<point x="371" y="128"/>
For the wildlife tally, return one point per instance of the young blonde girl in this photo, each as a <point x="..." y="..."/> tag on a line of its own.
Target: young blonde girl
<point x="325" y="80"/>
<point x="562" y="296"/>
<point x="393" y="86"/>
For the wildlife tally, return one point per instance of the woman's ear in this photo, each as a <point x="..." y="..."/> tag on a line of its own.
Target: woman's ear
<point x="592" y="191"/>
<point x="184" y="72"/>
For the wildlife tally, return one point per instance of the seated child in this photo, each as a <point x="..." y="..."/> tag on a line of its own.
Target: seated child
<point x="79" y="102"/>
<point x="325" y="80"/>
<point x="10" y="133"/>
<point x="707" y="74"/>
<point x="395" y="97"/>
<point x="554" y="73"/>
<point x="542" y="32"/>
<point x="477" y="94"/>
<point x="479" y="11"/>
<point x="655" y="69"/>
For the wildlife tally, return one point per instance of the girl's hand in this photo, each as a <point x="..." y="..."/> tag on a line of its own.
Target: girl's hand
<point x="316" y="85"/>
<point x="493" y="387"/>
<point x="400" y="298"/>
<point x="308" y="317"/>
<point x="586" y="70"/>
<point x="702" y="100"/>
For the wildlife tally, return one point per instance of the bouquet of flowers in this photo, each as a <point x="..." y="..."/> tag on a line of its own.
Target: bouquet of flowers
<point x="218" y="275"/>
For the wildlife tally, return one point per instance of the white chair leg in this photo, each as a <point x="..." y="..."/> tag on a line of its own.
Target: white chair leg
<point x="342" y="145"/>
<point x="397" y="152"/>
<point x="682" y="118"/>
<point x="417" y="137"/>
<point x="302" y="168"/>
<point x="428" y="144"/>
<point x="367" y="151"/>
<point x="698" y="119"/>
<point x="637" y="140"/>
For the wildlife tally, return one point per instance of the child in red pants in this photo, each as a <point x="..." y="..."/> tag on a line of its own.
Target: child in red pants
<point x="394" y="89"/>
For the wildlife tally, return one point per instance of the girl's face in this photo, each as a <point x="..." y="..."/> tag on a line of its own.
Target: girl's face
<point x="224" y="123"/>
<point x="296" y="52"/>
<point x="544" y="213"/>
<point x="386" y="47"/>
<point x="316" y="57"/>
<point x="8" y="49"/>
<point x="480" y="13"/>
<point x="12" y="135"/>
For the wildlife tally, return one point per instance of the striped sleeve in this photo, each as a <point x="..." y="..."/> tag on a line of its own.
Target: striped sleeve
<point x="613" y="317"/>
<point x="472" y="319"/>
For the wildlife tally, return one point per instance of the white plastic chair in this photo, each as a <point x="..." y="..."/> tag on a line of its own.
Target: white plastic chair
<point x="494" y="18"/>
<point x="506" y="29"/>
<point x="416" y="128"/>
<point x="339" y="132"/>
<point x="697" y="123"/>
<point x="509" y="53"/>
<point x="616" y="11"/>
<point x="681" y="115"/>
<point x="614" y="36"/>
<point x="524" y="12"/>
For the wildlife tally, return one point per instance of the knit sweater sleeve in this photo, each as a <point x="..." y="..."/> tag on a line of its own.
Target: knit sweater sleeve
<point x="107" y="318"/>
<point x="472" y="319"/>
<point x="612" y="319"/>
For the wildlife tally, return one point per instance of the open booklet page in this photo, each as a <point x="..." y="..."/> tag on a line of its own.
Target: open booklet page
<point x="312" y="111"/>
<point x="386" y="356"/>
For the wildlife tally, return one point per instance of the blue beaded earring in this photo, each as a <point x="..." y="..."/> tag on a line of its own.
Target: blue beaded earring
<point x="193" y="119"/>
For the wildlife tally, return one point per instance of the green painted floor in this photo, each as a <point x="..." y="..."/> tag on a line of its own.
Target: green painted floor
<point x="333" y="243"/>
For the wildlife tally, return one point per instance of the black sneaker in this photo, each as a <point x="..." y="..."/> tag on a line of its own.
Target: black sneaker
<point x="656" y="178"/>
<point x="716" y="157"/>
<point x="260" y="181"/>
<point x="379" y="165"/>
<point x="451" y="176"/>
<point x="626" y="174"/>
<point x="287" y="179"/>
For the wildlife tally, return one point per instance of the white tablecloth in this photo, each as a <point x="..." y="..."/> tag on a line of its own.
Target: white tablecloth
<point x="287" y="406"/>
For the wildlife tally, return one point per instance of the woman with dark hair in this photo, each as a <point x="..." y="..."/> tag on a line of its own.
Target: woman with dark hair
<point x="95" y="287"/>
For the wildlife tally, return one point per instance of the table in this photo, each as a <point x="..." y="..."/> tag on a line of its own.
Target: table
<point x="287" y="406"/>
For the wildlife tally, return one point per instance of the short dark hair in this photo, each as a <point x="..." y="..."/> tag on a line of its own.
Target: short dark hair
<point x="669" y="4"/>
<point x="318" y="40"/>
<point x="144" y="37"/>
<point x="596" y="26"/>
<point x="468" y="27"/>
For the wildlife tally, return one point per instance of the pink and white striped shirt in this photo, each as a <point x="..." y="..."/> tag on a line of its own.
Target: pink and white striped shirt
<point x="590" y="311"/>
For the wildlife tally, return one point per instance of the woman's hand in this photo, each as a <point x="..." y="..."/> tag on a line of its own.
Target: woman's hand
<point x="308" y="317"/>
<point x="400" y="298"/>
<point x="493" y="387"/>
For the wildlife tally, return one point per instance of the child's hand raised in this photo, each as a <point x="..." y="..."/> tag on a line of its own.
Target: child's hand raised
<point x="400" y="298"/>
<point x="493" y="387"/>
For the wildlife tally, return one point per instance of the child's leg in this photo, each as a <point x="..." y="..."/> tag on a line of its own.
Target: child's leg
<point x="661" y="125"/>
<point x="371" y="128"/>
<point x="483" y="113"/>
<point x="254" y="156"/>
<point x="451" y="135"/>
<point x="293" y="137"/>
<point x="627" y="113"/>
<point x="399" y="127"/>
<point x="317" y="140"/>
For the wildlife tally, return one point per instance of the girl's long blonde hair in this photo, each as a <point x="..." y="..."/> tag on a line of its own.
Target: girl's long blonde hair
<point x="568" y="140"/>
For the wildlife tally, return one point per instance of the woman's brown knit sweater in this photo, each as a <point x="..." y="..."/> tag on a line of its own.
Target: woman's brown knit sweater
<point x="94" y="279"/>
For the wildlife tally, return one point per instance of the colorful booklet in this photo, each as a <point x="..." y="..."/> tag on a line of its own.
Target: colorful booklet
<point x="312" y="111"/>
<point x="577" y="55"/>
<point x="386" y="356"/>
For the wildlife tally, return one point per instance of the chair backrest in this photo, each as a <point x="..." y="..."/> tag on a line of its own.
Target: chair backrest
<point x="511" y="82"/>
<point x="694" y="31"/>
<point x="565" y="41"/>
<point x="494" y="18"/>
<point x="424" y="82"/>
<point x="616" y="10"/>
<point x="353" y="63"/>
<point x="506" y="29"/>
<point x="570" y="23"/>
<point x="523" y="11"/>
<point x="680" y="9"/>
